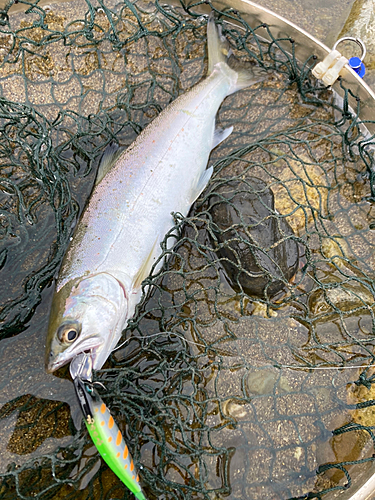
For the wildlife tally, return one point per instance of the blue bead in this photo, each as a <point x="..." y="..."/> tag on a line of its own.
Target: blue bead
<point x="355" y="63"/>
<point x="358" y="66"/>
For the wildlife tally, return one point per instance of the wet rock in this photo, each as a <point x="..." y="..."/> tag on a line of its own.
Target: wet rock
<point x="343" y="296"/>
<point x="299" y="194"/>
<point x="261" y="382"/>
<point x="237" y="410"/>
<point x="360" y="23"/>
<point x="255" y="243"/>
<point x="265" y="381"/>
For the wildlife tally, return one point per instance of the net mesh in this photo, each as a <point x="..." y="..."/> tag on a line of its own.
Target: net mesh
<point x="239" y="376"/>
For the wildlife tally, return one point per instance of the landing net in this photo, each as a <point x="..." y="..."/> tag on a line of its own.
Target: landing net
<point x="247" y="371"/>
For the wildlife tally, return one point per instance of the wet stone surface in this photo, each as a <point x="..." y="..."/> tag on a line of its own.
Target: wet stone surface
<point x="257" y="247"/>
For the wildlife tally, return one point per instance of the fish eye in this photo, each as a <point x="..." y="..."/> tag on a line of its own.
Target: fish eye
<point x="68" y="332"/>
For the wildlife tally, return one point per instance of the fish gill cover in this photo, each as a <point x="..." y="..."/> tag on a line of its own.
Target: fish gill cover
<point x="231" y="380"/>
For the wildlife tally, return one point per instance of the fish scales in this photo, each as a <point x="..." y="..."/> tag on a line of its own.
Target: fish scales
<point x="129" y="212"/>
<point x="136" y="207"/>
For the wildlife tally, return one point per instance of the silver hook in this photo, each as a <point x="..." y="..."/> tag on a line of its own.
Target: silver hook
<point x="81" y="367"/>
<point x="358" y="41"/>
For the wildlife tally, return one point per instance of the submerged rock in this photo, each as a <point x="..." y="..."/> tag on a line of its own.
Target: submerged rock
<point x="266" y="381"/>
<point x="256" y="245"/>
<point x="339" y="297"/>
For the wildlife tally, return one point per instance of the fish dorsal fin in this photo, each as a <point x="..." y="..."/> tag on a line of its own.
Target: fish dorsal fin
<point x="109" y="158"/>
<point x="145" y="268"/>
<point x="201" y="184"/>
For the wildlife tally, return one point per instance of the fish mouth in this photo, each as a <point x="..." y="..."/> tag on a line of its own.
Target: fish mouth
<point x="55" y="365"/>
<point x="90" y="346"/>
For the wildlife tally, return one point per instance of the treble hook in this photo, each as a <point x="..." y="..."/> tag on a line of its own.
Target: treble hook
<point x="101" y="426"/>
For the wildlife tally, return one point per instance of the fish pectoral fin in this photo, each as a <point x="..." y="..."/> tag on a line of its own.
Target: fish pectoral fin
<point x="201" y="184"/>
<point x="145" y="268"/>
<point x="220" y="135"/>
<point x="109" y="158"/>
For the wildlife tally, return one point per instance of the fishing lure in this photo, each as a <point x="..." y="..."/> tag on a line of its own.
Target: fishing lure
<point x="104" y="432"/>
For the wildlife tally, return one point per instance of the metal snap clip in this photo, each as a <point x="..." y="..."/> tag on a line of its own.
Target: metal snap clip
<point x="355" y="62"/>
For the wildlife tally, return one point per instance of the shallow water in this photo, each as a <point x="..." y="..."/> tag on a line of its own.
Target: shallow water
<point x="330" y="21"/>
<point x="221" y="408"/>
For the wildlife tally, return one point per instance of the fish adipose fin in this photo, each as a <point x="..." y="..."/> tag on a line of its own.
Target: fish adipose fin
<point x="109" y="158"/>
<point x="218" y="55"/>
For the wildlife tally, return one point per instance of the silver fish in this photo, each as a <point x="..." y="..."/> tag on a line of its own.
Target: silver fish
<point x="118" y="237"/>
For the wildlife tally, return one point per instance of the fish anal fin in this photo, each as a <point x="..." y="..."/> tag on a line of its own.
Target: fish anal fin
<point x="109" y="158"/>
<point x="220" y="135"/>
<point x="201" y="184"/>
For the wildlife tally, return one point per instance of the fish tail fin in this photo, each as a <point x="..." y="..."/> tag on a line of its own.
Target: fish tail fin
<point x="218" y="54"/>
<point x="218" y="45"/>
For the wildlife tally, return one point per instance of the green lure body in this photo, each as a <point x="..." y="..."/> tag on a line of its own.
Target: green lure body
<point x="107" y="437"/>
